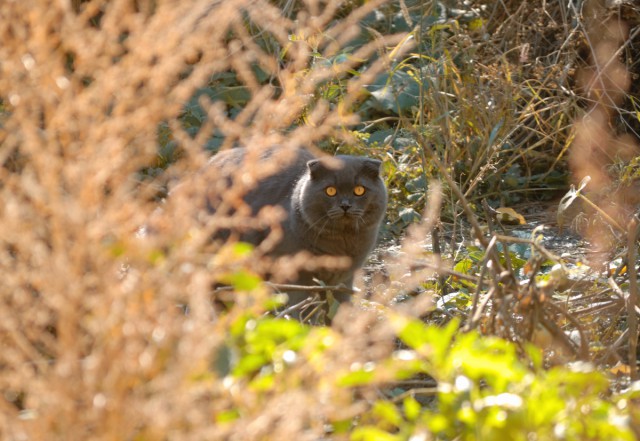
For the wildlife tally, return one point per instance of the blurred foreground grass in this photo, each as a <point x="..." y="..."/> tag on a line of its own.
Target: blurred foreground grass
<point x="106" y="335"/>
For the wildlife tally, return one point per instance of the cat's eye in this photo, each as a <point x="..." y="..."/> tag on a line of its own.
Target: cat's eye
<point x="358" y="190"/>
<point x="331" y="191"/>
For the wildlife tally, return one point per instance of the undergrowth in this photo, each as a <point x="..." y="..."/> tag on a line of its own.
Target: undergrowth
<point x="122" y="319"/>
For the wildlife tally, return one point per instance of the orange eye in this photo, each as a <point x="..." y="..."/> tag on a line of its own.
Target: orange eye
<point x="358" y="190"/>
<point x="331" y="191"/>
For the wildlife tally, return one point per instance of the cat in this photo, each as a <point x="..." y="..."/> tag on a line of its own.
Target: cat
<point x="330" y="211"/>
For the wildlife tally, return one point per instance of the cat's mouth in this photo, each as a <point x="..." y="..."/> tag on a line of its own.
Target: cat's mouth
<point x="345" y="216"/>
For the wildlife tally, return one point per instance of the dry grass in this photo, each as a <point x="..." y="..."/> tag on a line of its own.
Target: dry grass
<point x="94" y="343"/>
<point x="94" y="339"/>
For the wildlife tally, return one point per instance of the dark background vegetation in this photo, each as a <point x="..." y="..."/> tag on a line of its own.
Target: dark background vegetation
<point x="501" y="304"/>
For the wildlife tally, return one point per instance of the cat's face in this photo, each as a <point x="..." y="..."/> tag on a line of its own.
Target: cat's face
<point x="351" y="197"/>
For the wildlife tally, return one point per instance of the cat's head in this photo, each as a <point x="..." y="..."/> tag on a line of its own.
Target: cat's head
<point x="347" y="194"/>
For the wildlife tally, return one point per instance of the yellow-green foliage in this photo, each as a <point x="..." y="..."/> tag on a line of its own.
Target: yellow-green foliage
<point x="110" y="334"/>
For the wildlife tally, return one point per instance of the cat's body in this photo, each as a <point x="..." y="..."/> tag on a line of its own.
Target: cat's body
<point x="330" y="211"/>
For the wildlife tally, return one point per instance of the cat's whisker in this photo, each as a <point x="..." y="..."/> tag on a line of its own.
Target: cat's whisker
<point x="321" y="230"/>
<point x="313" y="225"/>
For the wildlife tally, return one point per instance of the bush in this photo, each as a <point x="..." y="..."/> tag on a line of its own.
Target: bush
<point x="108" y="333"/>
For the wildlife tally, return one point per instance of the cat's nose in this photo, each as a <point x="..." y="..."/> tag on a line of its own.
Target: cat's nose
<point x="345" y="205"/>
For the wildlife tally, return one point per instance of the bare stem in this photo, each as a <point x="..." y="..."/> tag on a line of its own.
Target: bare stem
<point x="632" y="299"/>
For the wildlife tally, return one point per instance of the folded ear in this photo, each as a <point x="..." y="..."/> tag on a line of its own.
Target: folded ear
<point x="317" y="168"/>
<point x="371" y="167"/>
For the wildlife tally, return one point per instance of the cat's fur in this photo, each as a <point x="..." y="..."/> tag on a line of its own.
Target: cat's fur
<point x="341" y="225"/>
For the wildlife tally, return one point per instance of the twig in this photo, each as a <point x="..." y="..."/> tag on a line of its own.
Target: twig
<point x="475" y="315"/>
<point x="632" y="299"/>
<point x="558" y="334"/>
<point x="600" y="308"/>
<point x="471" y="217"/>
<point x="533" y="243"/>
<point x="430" y="382"/>
<point x="616" y="288"/>
<point x="311" y="288"/>
<point x="318" y="307"/>
<point x="445" y="271"/>
<point x="618" y="291"/>
<point x="435" y="240"/>
<point x="601" y="212"/>
<point x="612" y="348"/>
<point x="583" y="352"/>
<point x="424" y="391"/>
<point x="306" y="302"/>
<point x="289" y="287"/>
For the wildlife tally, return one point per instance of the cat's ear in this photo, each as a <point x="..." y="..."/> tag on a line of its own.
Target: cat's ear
<point x="316" y="168"/>
<point x="371" y="167"/>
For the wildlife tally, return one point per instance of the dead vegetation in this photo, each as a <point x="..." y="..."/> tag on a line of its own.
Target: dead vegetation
<point x="106" y="335"/>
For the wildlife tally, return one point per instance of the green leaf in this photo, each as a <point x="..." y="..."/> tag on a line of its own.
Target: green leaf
<point x="279" y="330"/>
<point x="464" y="266"/>
<point x="341" y="426"/>
<point x="227" y="416"/>
<point x="356" y="378"/>
<point x="242" y="280"/>
<point x="395" y="92"/>
<point x="438" y="422"/>
<point x="411" y="408"/>
<point x="242" y="249"/>
<point x="387" y="412"/>
<point x="494" y="132"/>
<point x="409" y="215"/>
<point x="249" y="364"/>
<point x="263" y="382"/>
<point x="415" y="334"/>
<point x="369" y="433"/>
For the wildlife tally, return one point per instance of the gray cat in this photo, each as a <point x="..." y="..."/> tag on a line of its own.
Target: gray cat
<point x="330" y="211"/>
